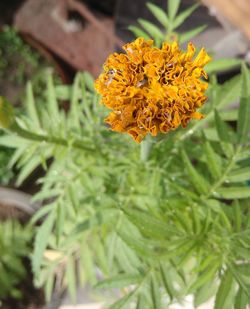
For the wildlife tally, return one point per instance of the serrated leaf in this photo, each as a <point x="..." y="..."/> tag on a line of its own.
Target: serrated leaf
<point x="152" y="30"/>
<point x="13" y="141"/>
<point x="100" y="217"/>
<point x="155" y="292"/>
<point x="224" y="291"/>
<point x="167" y="282"/>
<point x="89" y="81"/>
<point x="27" y="169"/>
<point x="49" y="287"/>
<point x="138" y="32"/>
<point x="204" y="278"/>
<point x="204" y="293"/>
<point x="158" y="13"/>
<point x="173" y="6"/>
<point x="74" y="112"/>
<point x="31" y="107"/>
<point x="197" y="179"/>
<point x="51" y="98"/>
<point x="41" y="241"/>
<point x="219" y="65"/>
<point x="154" y="227"/>
<point x="241" y="299"/>
<point x="123" y="301"/>
<point x="142" y="301"/>
<point x="213" y="163"/>
<point x="243" y="125"/>
<point x="232" y="193"/>
<point x="237" y="215"/>
<point x="184" y="15"/>
<point x="140" y="246"/>
<point x="63" y="92"/>
<point x="239" y="175"/>
<point x="119" y="281"/>
<point x="41" y="213"/>
<point x="71" y="278"/>
<point x="222" y="128"/>
<point x="61" y="214"/>
<point x="187" y="36"/>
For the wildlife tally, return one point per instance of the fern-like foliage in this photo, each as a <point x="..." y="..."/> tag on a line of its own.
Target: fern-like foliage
<point x="169" y="21"/>
<point x="159" y="230"/>
<point x="15" y="243"/>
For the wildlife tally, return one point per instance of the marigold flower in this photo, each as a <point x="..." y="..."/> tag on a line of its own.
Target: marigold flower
<point x="152" y="90"/>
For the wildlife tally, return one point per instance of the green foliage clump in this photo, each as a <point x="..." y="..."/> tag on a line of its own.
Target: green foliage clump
<point x="173" y="224"/>
<point x="15" y="56"/>
<point x="14" y="247"/>
<point x="179" y="221"/>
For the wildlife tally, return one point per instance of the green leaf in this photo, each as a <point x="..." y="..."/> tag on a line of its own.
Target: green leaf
<point x="121" y="303"/>
<point x="49" y="286"/>
<point x="223" y="133"/>
<point x="139" y="245"/>
<point x="173" y="6"/>
<point x="31" y="107"/>
<point x="204" y="278"/>
<point x="222" y="128"/>
<point x="213" y="163"/>
<point x="224" y="291"/>
<point x="232" y="193"/>
<point x="243" y="125"/>
<point x="139" y="32"/>
<point x="239" y="175"/>
<point x="197" y="180"/>
<point x="51" y="97"/>
<point x="184" y="15"/>
<point x="204" y="293"/>
<point x="241" y="299"/>
<point x="12" y="141"/>
<point x="153" y="31"/>
<point x="221" y="65"/>
<point x="63" y="92"/>
<point x="41" y="241"/>
<point x="89" y="81"/>
<point x="41" y="212"/>
<point x="237" y="215"/>
<point x="155" y="228"/>
<point x="74" y="112"/>
<point x="155" y="291"/>
<point x="99" y="218"/>
<point x="167" y="282"/>
<point x="159" y="14"/>
<point x="27" y="169"/>
<point x="187" y="36"/>
<point x="71" y="278"/>
<point x="119" y="281"/>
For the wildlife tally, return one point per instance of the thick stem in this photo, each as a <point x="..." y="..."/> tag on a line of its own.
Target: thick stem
<point x="44" y="138"/>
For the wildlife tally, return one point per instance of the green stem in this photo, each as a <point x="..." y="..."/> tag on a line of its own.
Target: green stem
<point x="48" y="139"/>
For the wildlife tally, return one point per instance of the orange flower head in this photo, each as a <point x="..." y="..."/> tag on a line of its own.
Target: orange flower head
<point x="152" y="90"/>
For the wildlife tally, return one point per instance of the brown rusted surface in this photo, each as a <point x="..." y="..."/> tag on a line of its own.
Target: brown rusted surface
<point x="84" y="43"/>
<point x="236" y="11"/>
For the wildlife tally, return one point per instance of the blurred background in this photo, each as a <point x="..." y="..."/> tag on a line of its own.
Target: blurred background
<point x="76" y="35"/>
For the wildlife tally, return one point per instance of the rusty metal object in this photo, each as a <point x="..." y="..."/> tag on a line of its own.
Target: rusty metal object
<point x="83" y="41"/>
